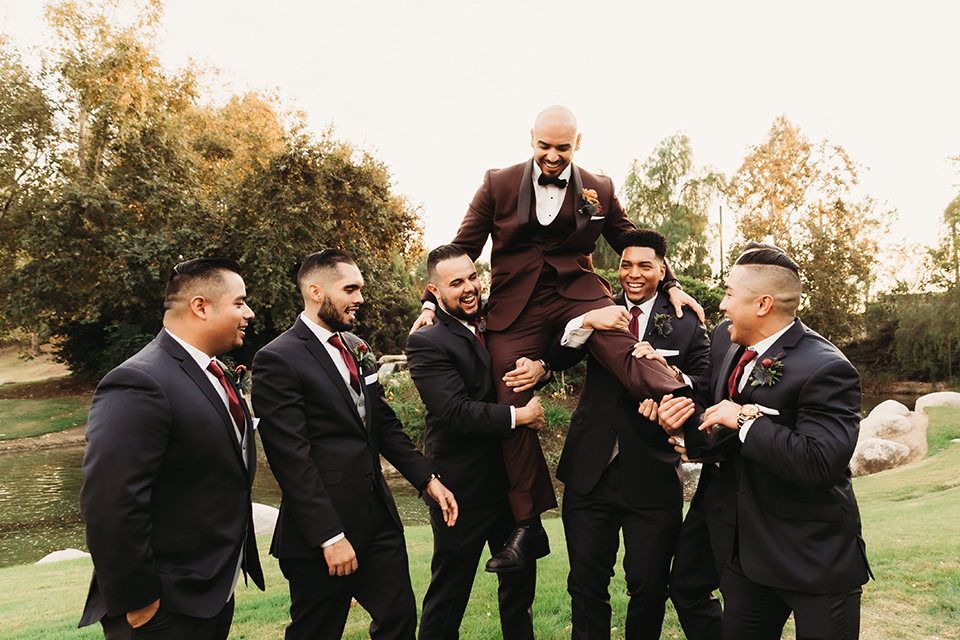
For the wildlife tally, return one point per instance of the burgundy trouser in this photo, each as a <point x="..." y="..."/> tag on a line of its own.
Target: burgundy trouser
<point x="545" y="315"/>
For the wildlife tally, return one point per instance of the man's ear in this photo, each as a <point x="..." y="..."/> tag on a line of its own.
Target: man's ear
<point x="315" y="292"/>
<point x="433" y="289"/>
<point x="198" y="306"/>
<point x="765" y="305"/>
<point x="533" y="138"/>
<point x="576" y="146"/>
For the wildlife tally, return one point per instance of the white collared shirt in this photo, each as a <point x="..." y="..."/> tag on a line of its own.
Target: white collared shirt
<point x="549" y="197"/>
<point x="575" y="336"/>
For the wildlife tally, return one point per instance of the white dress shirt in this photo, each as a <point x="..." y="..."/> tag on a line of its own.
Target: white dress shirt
<point x="549" y="197"/>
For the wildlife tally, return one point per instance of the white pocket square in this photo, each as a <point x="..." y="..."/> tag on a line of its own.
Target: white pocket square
<point x="370" y="379"/>
<point x="767" y="411"/>
<point x="596" y="218"/>
<point x="667" y="353"/>
<point x="256" y="423"/>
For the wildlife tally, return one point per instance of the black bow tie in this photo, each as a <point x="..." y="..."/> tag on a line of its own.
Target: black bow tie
<point x="544" y="180"/>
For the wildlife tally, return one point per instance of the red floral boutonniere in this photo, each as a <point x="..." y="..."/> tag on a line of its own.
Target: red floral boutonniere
<point x="362" y="353"/>
<point x="591" y="204"/>
<point x="767" y="372"/>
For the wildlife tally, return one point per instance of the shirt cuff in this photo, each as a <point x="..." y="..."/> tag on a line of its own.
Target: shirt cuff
<point x="428" y="305"/>
<point x="333" y="540"/>
<point x="513" y="417"/>
<point x="574" y="335"/>
<point x="746" y="427"/>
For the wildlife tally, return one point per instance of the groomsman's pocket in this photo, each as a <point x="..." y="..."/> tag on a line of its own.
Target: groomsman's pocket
<point x="592" y="218"/>
<point x="371" y="379"/>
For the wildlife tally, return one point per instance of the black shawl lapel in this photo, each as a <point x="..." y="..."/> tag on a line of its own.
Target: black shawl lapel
<point x="525" y="194"/>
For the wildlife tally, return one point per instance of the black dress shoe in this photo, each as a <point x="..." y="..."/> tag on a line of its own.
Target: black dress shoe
<point x="526" y="543"/>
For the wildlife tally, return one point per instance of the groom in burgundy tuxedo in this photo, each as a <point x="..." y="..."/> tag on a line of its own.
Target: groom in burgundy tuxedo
<point x="544" y="217"/>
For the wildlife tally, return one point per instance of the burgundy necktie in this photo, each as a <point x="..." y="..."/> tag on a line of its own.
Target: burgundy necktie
<point x="348" y="359"/>
<point x="635" y="322"/>
<point x="733" y="381"/>
<point x="476" y="332"/>
<point x="233" y="402"/>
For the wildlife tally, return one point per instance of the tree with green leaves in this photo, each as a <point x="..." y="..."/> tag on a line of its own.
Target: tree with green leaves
<point x="669" y="194"/>
<point x="150" y="173"/>
<point x="799" y="195"/>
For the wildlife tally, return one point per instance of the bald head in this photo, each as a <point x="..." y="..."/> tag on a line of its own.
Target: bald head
<point x="554" y="139"/>
<point x="557" y="115"/>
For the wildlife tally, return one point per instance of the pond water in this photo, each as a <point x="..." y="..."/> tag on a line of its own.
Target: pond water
<point x="39" y="494"/>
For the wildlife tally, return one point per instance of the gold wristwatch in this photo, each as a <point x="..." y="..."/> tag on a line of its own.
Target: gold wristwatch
<point x="748" y="412"/>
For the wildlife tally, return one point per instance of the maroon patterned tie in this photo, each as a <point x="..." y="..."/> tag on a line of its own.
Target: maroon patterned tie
<point x="733" y="381"/>
<point x="348" y="359"/>
<point x="233" y="402"/>
<point x="635" y="322"/>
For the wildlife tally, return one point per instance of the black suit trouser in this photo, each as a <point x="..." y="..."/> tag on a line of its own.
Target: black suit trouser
<point x="545" y="314"/>
<point x="757" y="612"/>
<point x="698" y="562"/>
<point x="592" y="524"/>
<point x="166" y="625"/>
<point x="319" y="603"/>
<point x="456" y="554"/>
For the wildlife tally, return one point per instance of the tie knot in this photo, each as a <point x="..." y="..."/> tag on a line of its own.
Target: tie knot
<point x="335" y="341"/>
<point x="635" y="311"/>
<point x="747" y="356"/>
<point x="215" y="369"/>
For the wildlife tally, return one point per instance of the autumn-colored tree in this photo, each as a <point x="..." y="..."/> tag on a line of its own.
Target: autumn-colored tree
<point x="670" y="194"/>
<point x="799" y="196"/>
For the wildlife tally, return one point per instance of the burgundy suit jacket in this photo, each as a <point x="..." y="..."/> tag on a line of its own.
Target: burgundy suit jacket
<point x="504" y="208"/>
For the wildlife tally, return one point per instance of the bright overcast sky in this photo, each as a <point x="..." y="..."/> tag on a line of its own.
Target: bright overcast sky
<point x="441" y="90"/>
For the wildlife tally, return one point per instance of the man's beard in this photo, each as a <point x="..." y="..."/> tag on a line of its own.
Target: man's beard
<point x="332" y="317"/>
<point x="457" y="311"/>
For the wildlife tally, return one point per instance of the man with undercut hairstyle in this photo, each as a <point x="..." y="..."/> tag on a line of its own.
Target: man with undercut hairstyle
<point x="168" y="468"/>
<point x="788" y="403"/>
<point x="325" y="423"/>
<point x="544" y="217"/>
<point x="464" y="428"/>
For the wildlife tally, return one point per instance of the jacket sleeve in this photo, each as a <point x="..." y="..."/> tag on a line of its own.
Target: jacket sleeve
<point x="815" y="451"/>
<point x="127" y="434"/>
<point x="443" y="391"/>
<point x="279" y="402"/>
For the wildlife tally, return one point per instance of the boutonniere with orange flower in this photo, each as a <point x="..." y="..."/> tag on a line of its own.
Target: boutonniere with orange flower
<point x="591" y="204"/>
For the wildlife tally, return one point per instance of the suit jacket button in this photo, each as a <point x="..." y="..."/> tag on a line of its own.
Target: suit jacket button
<point x="369" y="474"/>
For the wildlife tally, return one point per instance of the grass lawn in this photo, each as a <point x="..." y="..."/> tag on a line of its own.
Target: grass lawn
<point x="911" y="519"/>
<point x="26" y="418"/>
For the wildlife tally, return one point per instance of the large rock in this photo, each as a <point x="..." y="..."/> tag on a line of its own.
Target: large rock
<point x="264" y="519"/>
<point x="875" y="454"/>
<point x="939" y="399"/>
<point x="890" y="407"/>
<point x="64" y="554"/>
<point x="884" y="425"/>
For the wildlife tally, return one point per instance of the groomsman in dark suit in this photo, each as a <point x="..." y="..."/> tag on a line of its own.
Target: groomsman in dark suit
<point x="619" y="471"/>
<point x="324" y="423"/>
<point x="789" y="403"/>
<point x="544" y="217"/>
<point x="168" y="468"/>
<point x="464" y="428"/>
